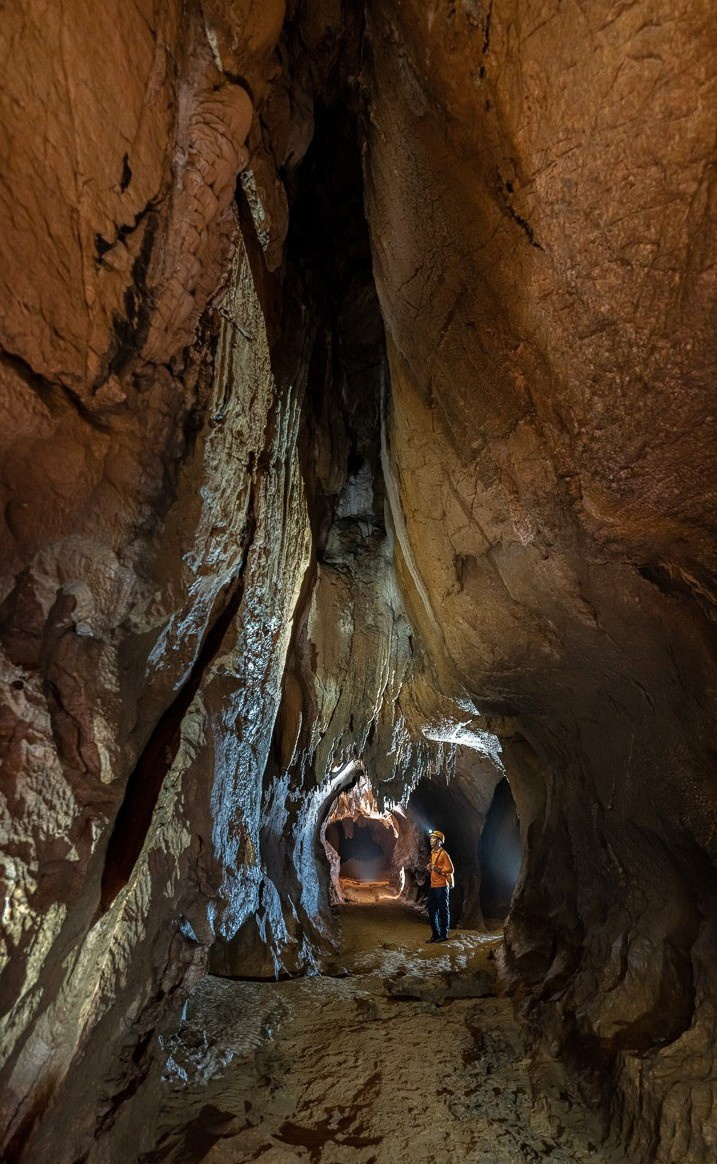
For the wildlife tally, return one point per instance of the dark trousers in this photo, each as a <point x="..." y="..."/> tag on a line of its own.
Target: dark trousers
<point x="438" y="911"/>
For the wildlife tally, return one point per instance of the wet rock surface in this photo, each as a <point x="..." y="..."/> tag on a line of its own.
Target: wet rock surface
<point x="532" y="508"/>
<point x="413" y="1055"/>
<point x="357" y="367"/>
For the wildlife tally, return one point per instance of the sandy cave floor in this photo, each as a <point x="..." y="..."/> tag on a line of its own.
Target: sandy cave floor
<point x="401" y="1051"/>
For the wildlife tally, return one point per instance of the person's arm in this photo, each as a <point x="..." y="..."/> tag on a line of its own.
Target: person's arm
<point x="446" y="863"/>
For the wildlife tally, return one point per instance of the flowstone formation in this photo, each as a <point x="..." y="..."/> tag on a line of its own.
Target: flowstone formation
<point x="357" y="366"/>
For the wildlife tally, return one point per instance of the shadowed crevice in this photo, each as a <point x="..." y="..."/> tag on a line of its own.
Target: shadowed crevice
<point x="145" y="783"/>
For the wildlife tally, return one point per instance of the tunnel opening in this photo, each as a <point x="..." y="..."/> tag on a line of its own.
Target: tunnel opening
<point x="362" y="845"/>
<point x="365" y="849"/>
<point x="499" y="855"/>
<point x="472" y="805"/>
<point x="437" y="804"/>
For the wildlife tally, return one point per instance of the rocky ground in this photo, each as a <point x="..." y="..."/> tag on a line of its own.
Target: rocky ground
<point x="399" y="1051"/>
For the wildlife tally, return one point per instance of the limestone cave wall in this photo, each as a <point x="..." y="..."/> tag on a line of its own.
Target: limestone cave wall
<point x="539" y="192"/>
<point x="357" y="367"/>
<point x="141" y="571"/>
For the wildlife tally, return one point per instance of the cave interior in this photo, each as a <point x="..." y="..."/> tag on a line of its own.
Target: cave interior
<point x="358" y="478"/>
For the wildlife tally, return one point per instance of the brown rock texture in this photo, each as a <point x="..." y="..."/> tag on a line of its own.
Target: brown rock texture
<point x="426" y="1063"/>
<point x="140" y="488"/>
<point x="539" y="195"/>
<point x="358" y="382"/>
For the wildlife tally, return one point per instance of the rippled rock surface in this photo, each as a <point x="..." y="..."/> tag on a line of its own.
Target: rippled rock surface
<point x="358" y="372"/>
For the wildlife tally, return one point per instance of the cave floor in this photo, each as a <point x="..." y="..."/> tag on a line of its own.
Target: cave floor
<point x="399" y="1051"/>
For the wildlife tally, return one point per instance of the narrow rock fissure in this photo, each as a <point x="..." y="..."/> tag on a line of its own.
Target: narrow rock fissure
<point x="51" y="392"/>
<point x="144" y="785"/>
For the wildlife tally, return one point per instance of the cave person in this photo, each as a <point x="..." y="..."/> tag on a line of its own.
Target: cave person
<point x="441" y="870"/>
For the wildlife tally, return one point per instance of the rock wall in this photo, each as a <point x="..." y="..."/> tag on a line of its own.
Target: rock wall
<point x="538" y="194"/>
<point x="150" y="454"/>
<point x="164" y="520"/>
<point x="283" y="491"/>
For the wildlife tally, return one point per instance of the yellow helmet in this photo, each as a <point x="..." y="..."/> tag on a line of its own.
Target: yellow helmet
<point x="436" y="833"/>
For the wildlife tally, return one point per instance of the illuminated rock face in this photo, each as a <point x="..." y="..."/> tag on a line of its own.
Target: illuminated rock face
<point x="224" y="576"/>
<point x="149" y="457"/>
<point x="538" y="197"/>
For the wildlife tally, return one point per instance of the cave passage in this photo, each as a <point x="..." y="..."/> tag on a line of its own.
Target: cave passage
<point x="499" y="854"/>
<point x="416" y="1014"/>
<point x="365" y="849"/>
<point x="364" y="846"/>
<point x="357" y="365"/>
<point x="368" y="848"/>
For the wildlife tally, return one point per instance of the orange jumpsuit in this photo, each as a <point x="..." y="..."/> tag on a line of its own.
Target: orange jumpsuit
<point x="441" y="869"/>
<point x="438" y="894"/>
